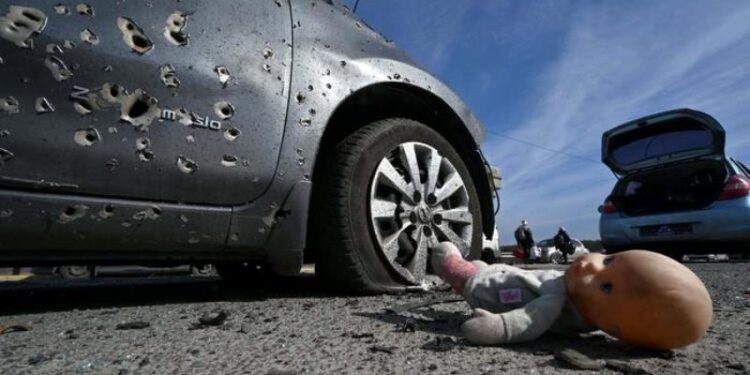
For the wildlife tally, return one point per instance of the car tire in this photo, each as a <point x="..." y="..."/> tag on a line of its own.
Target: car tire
<point x="349" y="246"/>
<point x="203" y="270"/>
<point x="75" y="272"/>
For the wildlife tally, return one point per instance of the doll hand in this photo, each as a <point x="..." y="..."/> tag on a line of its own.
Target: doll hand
<point x="484" y="328"/>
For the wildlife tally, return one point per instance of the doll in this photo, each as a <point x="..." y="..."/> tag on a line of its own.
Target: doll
<point x="640" y="297"/>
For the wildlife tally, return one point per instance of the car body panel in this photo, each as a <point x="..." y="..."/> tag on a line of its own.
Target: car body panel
<point x="44" y="144"/>
<point x="336" y="56"/>
<point x="51" y="225"/>
<point x="549" y="251"/>
<point x="727" y="220"/>
<point x="662" y="139"/>
<point x="320" y="55"/>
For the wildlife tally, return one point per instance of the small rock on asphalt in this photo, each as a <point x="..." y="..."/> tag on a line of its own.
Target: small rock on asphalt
<point x="365" y="335"/>
<point x="133" y="325"/>
<point x="213" y="319"/>
<point x="410" y="325"/>
<point x="14" y="328"/>
<point x="383" y="349"/>
<point x="37" y="359"/>
<point x="578" y="360"/>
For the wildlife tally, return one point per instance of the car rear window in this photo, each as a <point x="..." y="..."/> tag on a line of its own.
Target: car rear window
<point x="664" y="139"/>
<point x="545" y="243"/>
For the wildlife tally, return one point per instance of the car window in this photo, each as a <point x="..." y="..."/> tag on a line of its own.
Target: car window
<point x="545" y="243"/>
<point x="662" y="144"/>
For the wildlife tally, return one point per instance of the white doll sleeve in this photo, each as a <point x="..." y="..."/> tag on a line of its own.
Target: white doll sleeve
<point x="532" y="320"/>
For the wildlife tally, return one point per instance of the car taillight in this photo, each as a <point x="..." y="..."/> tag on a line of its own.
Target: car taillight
<point x="735" y="187"/>
<point x="608" y="207"/>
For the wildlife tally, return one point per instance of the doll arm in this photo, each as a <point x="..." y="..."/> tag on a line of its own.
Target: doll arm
<point x="480" y="264"/>
<point x="519" y="325"/>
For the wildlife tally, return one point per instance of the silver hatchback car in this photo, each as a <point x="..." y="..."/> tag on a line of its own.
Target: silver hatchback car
<point x="677" y="192"/>
<point x="236" y="133"/>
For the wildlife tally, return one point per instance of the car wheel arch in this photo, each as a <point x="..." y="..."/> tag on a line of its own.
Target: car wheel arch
<point x="399" y="100"/>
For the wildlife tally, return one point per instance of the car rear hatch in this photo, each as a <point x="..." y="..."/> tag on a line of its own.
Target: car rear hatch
<point x="667" y="162"/>
<point x="662" y="139"/>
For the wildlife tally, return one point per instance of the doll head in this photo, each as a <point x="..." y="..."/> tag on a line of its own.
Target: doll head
<point x="640" y="297"/>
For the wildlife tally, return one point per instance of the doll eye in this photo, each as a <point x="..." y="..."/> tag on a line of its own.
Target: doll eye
<point x="608" y="260"/>
<point x="606" y="287"/>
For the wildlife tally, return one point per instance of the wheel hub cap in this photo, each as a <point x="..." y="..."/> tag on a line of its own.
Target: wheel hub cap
<point x="424" y="214"/>
<point x="417" y="199"/>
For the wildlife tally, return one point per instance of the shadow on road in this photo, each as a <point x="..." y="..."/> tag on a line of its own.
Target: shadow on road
<point x="52" y="294"/>
<point x="447" y="323"/>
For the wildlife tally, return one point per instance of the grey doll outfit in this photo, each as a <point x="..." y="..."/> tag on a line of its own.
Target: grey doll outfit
<point x="530" y="302"/>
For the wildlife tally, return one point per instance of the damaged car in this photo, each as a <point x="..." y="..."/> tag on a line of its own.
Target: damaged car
<point x="677" y="192"/>
<point x="236" y="133"/>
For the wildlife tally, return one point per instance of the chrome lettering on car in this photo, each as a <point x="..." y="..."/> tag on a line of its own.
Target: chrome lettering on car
<point x="79" y="93"/>
<point x="196" y="120"/>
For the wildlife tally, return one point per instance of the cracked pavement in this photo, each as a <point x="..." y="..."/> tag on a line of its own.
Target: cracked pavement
<point x="174" y="325"/>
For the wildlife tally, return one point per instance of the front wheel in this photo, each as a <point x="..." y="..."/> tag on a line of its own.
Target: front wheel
<point x="203" y="270"/>
<point x="390" y="191"/>
<point x="75" y="272"/>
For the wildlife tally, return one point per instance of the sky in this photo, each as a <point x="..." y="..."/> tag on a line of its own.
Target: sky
<point x="559" y="73"/>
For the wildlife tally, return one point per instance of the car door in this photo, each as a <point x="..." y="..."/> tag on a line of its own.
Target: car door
<point x="161" y="101"/>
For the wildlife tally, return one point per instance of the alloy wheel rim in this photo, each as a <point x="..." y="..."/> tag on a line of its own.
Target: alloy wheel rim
<point x="78" y="270"/>
<point x="417" y="199"/>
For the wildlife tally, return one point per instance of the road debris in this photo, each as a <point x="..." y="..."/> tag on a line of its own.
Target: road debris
<point x="409" y="325"/>
<point x="133" y="325"/>
<point x="211" y="319"/>
<point x="383" y="349"/>
<point x="577" y="359"/>
<point x="440" y="344"/>
<point x="69" y="334"/>
<point x="14" y="327"/>
<point x="365" y="335"/>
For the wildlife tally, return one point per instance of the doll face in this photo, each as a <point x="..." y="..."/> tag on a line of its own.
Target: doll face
<point x="641" y="297"/>
<point x="598" y="286"/>
<point x="593" y="278"/>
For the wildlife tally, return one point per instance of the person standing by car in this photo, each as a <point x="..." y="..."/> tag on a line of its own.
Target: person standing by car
<point x="525" y="239"/>
<point x="563" y="244"/>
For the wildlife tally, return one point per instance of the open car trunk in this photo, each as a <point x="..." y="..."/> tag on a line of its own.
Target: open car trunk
<point x="681" y="187"/>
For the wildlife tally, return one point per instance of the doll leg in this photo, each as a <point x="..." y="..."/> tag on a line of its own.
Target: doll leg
<point x="484" y="328"/>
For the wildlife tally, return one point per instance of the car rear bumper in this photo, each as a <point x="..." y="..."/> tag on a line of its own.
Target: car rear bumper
<point x="724" y="222"/>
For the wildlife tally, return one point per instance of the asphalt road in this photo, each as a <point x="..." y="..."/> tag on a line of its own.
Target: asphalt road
<point x="292" y="326"/>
